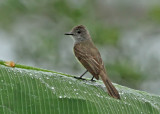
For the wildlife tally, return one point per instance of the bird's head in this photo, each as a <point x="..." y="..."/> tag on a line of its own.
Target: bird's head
<point x="79" y="33"/>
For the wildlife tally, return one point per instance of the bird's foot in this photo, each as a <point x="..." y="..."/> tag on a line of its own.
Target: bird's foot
<point x="93" y="80"/>
<point x="79" y="78"/>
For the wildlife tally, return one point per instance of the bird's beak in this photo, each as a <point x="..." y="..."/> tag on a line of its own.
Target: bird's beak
<point x="68" y="34"/>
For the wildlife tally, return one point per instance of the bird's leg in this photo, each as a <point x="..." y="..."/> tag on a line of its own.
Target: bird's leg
<point x="92" y="79"/>
<point x="82" y="75"/>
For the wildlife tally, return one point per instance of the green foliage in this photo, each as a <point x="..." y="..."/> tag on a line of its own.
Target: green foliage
<point x="9" y="10"/>
<point x="154" y="14"/>
<point x="106" y="35"/>
<point x="129" y="75"/>
<point x="64" y="8"/>
<point x="29" y="90"/>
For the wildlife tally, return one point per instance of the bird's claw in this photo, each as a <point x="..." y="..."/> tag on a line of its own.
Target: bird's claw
<point x="93" y="80"/>
<point x="79" y="78"/>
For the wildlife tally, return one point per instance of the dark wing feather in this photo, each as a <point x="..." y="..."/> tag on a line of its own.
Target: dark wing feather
<point x="90" y="59"/>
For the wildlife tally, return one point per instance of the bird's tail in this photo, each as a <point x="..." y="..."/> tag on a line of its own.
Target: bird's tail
<point x="112" y="91"/>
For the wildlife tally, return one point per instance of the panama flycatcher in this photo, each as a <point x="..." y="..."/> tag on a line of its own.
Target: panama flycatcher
<point x="87" y="53"/>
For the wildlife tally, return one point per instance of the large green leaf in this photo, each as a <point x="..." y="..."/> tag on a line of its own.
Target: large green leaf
<point x="27" y="90"/>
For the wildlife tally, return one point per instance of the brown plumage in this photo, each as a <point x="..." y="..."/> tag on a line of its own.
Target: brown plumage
<point x="89" y="56"/>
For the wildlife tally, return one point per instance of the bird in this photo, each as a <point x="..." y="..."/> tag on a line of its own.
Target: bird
<point x="89" y="56"/>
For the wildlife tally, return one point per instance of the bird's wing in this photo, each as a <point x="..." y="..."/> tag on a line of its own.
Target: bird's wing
<point x="90" y="59"/>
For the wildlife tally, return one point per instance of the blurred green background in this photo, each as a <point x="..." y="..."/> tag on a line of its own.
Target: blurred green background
<point x="126" y="32"/>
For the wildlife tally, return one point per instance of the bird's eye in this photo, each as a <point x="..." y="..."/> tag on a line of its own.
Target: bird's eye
<point x="78" y="32"/>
